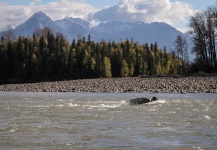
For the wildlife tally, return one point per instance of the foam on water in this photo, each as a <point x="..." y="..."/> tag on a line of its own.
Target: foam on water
<point x="207" y="117"/>
<point x="159" y="101"/>
<point x="105" y="104"/>
<point x="63" y="100"/>
<point x="197" y="148"/>
<point x="71" y="105"/>
<point x="84" y="104"/>
<point x="107" y="121"/>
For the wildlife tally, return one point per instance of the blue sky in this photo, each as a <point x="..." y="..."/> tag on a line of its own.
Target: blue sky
<point x="174" y="12"/>
<point x="196" y="4"/>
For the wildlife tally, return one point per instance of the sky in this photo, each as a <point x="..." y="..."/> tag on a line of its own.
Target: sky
<point x="173" y="12"/>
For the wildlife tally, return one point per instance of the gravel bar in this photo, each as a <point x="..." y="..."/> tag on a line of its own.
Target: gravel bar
<point x="190" y="84"/>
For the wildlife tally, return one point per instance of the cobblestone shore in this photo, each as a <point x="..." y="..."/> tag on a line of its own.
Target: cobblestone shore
<point x="191" y="84"/>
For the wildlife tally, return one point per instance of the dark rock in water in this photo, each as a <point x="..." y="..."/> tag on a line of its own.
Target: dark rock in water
<point x="139" y="101"/>
<point x="154" y="99"/>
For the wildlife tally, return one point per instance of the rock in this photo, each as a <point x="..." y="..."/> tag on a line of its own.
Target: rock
<point x="139" y="101"/>
<point x="191" y="84"/>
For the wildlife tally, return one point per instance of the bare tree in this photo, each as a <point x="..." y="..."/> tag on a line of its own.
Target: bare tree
<point x="42" y="32"/>
<point x="181" y="48"/>
<point x="203" y="30"/>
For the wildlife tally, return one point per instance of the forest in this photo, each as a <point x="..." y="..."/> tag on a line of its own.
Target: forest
<point x="47" y="57"/>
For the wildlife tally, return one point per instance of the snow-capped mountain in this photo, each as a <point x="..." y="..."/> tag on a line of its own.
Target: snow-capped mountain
<point x="36" y="21"/>
<point x="73" y="27"/>
<point x="161" y="33"/>
<point x="64" y="23"/>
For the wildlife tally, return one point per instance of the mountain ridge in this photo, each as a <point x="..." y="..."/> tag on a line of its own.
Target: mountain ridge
<point x="73" y="28"/>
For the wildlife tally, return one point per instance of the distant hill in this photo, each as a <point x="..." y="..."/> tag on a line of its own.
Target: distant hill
<point x="36" y="21"/>
<point x="161" y="33"/>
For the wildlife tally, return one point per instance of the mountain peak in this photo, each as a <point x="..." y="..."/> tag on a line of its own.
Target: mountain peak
<point x="68" y="21"/>
<point x="75" y="27"/>
<point x="40" y="15"/>
<point x="38" y="20"/>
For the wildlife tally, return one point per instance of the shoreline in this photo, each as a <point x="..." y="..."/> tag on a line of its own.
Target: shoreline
<point x="187" y="84"/>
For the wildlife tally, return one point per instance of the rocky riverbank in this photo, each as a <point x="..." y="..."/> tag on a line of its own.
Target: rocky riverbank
<point x="191" y="84"/>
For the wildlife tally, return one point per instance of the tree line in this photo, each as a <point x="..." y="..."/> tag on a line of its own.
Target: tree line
<point x="46" y="56"/>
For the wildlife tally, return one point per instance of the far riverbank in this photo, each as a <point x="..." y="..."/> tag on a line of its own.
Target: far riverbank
<point x="191" y="84"/>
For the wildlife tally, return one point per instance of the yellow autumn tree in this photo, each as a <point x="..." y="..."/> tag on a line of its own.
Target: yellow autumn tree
<point x="106" y="72"/>
<point x="124" y="69"/>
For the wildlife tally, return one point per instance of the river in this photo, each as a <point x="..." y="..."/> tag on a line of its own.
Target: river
<point x="89" y="121"/>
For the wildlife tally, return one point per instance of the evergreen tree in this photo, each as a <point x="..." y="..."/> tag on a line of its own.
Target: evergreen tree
<point x="49" y="57"/>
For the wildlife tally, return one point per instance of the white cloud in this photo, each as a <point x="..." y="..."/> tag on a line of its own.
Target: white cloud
<point x="35" y="2"/>
<point x="173" y="13"/>
<point x="146" y="11"/>
<point x="17" y="14"/>
<point x="12" y="14"/>
<point x="183" y="29"/>
<point x="66" y="8"/>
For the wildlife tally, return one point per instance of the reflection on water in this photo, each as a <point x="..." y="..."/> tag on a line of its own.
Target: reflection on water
<point x="107" y="121"/>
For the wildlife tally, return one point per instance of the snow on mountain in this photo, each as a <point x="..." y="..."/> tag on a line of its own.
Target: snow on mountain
<point x="161" y="33"/>
<point x="73" y="27"/>
<point x="64" y="22"/>
<point x="108" y="26"/>
<point x="8" y="27"/>
<point x="36" y="21"/>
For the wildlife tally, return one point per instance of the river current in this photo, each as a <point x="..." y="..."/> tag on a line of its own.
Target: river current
<point x="90" y="121"/>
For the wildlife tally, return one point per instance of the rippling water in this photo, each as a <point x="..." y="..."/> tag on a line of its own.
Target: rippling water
<point x="107" y="121"/>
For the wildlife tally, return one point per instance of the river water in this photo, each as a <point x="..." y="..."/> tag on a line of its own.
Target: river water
<point x="89" y="121"/>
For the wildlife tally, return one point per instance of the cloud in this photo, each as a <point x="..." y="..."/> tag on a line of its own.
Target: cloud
<point x="146" y="11"/>
<point x="17" y="14"/>
<point x="173" y="13"/>
<point x="35" y="2"/>
<point x="68" y="8"/>
<point x="12" y="14"/>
